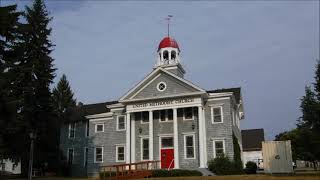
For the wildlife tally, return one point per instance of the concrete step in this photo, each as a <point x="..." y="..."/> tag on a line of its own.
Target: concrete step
<point x="205" y="172"/>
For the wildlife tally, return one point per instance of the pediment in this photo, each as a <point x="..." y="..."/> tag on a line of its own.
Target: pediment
<point x="148" y="87"/>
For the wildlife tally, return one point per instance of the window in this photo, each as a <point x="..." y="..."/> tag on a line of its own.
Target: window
<point x="121" y="123"/>
<point x="188" y="113"/>
<point x="189" y="147"/>
<point x="72" y="129"/>
<point x="98" y="155"/>
<point x="99" y="128"/>
<point x="165" y="55"/>
<point x="161" y="86"/>
<point x="70" y="156"/>
<point x="166" y="142"/>
<point x="120" y="153"/>
<point x="87" y="128"/>
<point x="85" y="157"/>
<point x="144" y="148"/>
<point x="216" y="114"/>
<point x="218" y="148"/>
<point x="142" y="116"/>
<point x="163" y="115"/>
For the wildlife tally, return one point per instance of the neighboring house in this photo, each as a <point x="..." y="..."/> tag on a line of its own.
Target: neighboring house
<point x="252" y="146"/>
<point x="164" y="117"/>
<point x="9" y="166"/>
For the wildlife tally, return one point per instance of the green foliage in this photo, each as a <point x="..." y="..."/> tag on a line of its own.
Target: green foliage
<point x="251" y="167"/>
<point x="175" y="173"/>
<point x="237" y="154"/>
<point x="107" y="174"/>
<point x="222" y="165"/>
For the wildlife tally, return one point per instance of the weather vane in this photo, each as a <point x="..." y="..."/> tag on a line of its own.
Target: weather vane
<point x="168" y="20"/>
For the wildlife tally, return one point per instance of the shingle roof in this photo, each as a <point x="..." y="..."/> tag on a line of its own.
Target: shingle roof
<point x="79" y="112"/>
<point x="252" y="139"/>
<point x="236" y="91"/>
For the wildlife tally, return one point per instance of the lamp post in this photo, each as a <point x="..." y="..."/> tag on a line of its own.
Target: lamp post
<point x="32" y="136"/>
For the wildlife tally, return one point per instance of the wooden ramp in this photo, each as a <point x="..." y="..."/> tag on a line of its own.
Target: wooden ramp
<point x="128" y="171"/>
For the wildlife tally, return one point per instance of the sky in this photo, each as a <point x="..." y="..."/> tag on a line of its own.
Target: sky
<point x="268" y="48"/>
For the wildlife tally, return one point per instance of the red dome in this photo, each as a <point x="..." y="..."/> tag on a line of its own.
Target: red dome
<point x="168" y="42"/>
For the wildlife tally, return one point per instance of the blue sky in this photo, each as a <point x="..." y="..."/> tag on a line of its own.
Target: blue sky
<point x="267" y="48"/>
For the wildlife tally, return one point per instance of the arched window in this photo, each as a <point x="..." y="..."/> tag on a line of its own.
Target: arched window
<point x="173" y="55"/>
<point x="165" y="55"/>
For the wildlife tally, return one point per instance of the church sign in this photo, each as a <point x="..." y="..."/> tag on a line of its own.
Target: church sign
<point x="163" y="103"/>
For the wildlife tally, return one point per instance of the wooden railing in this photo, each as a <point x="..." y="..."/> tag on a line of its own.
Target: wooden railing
<point x="128" y="171"/>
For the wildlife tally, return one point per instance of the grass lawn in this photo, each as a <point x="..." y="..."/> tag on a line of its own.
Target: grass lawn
<point x="235" y="177"/>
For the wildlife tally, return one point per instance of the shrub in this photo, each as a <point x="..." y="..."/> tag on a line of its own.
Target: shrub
<point x="107" y="174"/>
<point x="222" y="165"/>
<point x="251" y="167"/>
<point x="175" y="173"/>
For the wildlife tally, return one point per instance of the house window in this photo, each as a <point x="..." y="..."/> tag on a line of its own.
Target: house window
<point x="166" y="142"/>
<point x="188" y="113"/>
<point x="189" y="146"/>
<point x="142" y="116"/>
<point x="99" y="128"/>
<point x="72" y="129"/>
<point x="70" y="156"/>
<point x="85" y="157"/>
<point x="216" y="114"/>
<point x="120" y="153"/>
<point x="145" y="149"/>
<point x="163" y="115"/>
<point x="218" y="148"/>
<point x="121" y="123"/>
<point x="98" y="155"/>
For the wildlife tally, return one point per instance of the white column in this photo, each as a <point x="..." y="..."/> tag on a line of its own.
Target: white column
<point x="150" y="135"/>
<point x="175" y="139"/>
<point x="133" y="141"/>
<point x="128" y="138"/>
<point x="204" y="139"/>
<point x="201" y="147"/>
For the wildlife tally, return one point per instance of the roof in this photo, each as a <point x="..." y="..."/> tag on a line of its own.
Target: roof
<point x="252" y="139"/>
<point x="168" y="42"/>
<point x="236" y="91"/>
<point x="79" y="112"/>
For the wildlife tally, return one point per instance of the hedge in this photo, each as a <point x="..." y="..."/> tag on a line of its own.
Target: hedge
<point x="162" y="173"/>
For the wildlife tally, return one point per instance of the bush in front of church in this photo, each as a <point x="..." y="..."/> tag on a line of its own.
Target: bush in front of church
<point x="251" y="168"/>
<point x="222" y="165"/>
<point x="175" y="173"/>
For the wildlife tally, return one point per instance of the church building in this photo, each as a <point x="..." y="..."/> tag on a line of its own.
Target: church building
<point x="164" y="117"/>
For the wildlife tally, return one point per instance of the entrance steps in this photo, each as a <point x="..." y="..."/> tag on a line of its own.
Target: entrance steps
<point x="205" y="172"/>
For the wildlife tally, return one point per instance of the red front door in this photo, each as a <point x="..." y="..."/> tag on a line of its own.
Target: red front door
<point x="167" y="158"/>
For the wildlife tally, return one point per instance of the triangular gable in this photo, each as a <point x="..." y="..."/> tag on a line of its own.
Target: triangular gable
<point x="155" y="76"/>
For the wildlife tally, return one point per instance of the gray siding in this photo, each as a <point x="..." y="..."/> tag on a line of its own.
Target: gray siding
<point x="221" y="130"/>
<point x="174" y="86"/>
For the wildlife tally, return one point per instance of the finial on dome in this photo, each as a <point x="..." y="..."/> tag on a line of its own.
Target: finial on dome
<point x="168" y="19"/>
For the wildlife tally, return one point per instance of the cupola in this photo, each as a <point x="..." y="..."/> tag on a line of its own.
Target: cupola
<point x="168" y="52"/>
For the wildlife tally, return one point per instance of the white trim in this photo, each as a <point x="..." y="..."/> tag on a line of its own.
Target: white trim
<point x="220" y="94"/>
<point x="125" y="123"/>
<point x="124" y="155"/>
<point x="204" y="138"/>
<point x="188" y="133"/>
<point x="72" y="155"/>
<point x="165" y="135"/>
<point x="101" y="115"/>
<point x="95" y="154"/>
<point x="85" y="156"/>
<point x="214" y="146"/>
<point x="133" y="142"/>
<point x="165" y="86"/>
<point x="151" y="135"/>
<point x="128" y="144"/>
<point x="141" y="148"/>
<point x="175" y="139"/>
<point x="100" y="119"/>
<point x="87" y="130"/>
<point x="212" y="114"/>
<point x="185" y="147"/>
<point x="184" y="115"/>
<point x="218" y="99"/>
<point x="96" y="128"/>
<point x="201" y="137"/>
